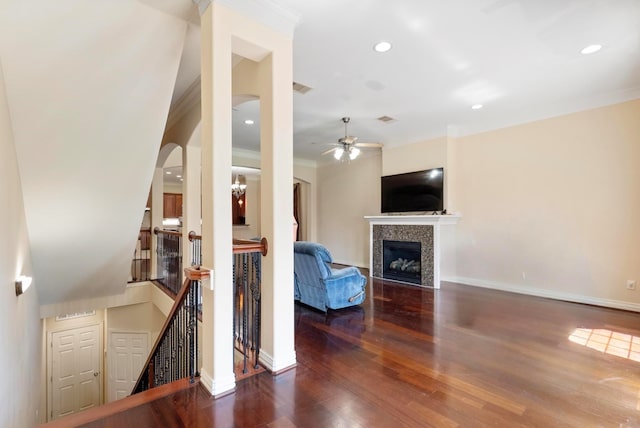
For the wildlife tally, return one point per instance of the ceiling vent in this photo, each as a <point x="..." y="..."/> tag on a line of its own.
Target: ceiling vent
<point x="300" y="88"/>
<point x="386" y="119"/>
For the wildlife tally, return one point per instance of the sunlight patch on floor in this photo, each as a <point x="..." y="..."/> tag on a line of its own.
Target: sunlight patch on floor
<point x="607" y="341"/>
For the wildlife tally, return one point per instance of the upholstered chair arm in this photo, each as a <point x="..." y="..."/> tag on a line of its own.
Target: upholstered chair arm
<point x="346" y="284"/>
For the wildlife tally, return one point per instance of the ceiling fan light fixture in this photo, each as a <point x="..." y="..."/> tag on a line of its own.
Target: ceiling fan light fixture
<point x="338" y="153"/>
<point x="353" y="153"/>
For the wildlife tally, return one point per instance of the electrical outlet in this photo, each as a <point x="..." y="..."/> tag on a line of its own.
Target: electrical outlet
<point x="631" y="284"/>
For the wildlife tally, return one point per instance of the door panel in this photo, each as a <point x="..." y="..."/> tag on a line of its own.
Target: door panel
<point x="127" y="354"/>
<point x="75" y="369"/>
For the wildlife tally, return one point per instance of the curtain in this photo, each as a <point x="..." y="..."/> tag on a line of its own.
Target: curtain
<point x="296" y="207"/>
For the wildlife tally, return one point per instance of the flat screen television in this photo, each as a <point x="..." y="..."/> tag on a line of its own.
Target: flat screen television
<point x="413" y="191"/>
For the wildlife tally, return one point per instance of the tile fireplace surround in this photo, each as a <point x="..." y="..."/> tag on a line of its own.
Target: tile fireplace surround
<point x="413" y="228"/>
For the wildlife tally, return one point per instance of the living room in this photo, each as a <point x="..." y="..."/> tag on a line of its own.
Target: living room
<point x="547" y="208"/>
<point x="533" y="201"/>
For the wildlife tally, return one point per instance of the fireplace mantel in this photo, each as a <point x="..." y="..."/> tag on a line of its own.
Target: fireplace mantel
<point x="432" y="223"/>
<point x="413" y="219"/>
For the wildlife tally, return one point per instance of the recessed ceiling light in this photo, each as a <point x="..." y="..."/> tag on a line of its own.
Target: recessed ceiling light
<point x="382" y="47"/>
<point x="179" y="176"/>
<point x="248" y="122"/>
<point x="168" y="172"/>
<point x="477" y="106"/>
<point x="591" y="49"/>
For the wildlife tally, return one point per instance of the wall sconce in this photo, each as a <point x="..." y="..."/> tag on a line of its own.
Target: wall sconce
<point x="22" y="283"/>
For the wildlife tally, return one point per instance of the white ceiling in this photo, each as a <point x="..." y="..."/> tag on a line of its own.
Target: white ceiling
<point x="519" y="58"/>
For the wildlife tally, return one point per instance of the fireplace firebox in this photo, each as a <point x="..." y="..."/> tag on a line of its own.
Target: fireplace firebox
<point x="401" y="261"/>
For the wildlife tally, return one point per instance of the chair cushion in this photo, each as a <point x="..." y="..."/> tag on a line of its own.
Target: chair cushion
<point x="319" y="252"/>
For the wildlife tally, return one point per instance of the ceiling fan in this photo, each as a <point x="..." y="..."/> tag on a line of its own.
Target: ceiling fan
<point x="347" y="147"/>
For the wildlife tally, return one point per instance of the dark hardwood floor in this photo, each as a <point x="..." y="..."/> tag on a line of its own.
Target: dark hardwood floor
<point x="459" y="356"/>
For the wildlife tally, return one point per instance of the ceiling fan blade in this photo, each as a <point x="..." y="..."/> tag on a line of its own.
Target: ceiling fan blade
<point x="330" y="151"/>
<point x="370" y="145"/>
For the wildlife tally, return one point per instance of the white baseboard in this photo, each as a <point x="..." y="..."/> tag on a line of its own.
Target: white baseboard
<point x="216" y="388"/>
<point x="277" y="366"/>
<point x="549" y="294"/>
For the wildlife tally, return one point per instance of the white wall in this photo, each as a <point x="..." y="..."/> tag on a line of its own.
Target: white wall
<point x="87" y="124"/>
<point x="346" y="193"/>
<point x="142" y="317"/>
<point x="553" y="206"/>
<point x="548" y="208"/>
<point x="20" y="326"/>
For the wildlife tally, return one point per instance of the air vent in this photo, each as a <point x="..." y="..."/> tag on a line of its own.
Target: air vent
<point x="300" y="88"/>
<point x="386" y="119"/>
<point x="75" y="315"/>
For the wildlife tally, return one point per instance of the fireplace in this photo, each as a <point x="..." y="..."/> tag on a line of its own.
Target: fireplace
<point x="401" y="261"/>
<point x="424" y="229"/>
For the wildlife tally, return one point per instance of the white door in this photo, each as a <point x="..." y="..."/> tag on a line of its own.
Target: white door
<point x="127" y="354"/>
<point x="75" y="370"/>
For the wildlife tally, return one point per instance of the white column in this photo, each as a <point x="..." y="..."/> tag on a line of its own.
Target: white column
<point x="217" y="320"/>
<point x="191" y="205"/>
<point x="157" y="208"/>
<point x="276" y="147"/>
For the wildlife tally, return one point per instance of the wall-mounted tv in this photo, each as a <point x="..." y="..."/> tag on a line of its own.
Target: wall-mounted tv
<point x="413" y="191"/>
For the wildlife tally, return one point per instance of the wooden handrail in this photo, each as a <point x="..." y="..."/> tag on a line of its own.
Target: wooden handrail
<point x="241" y="245"/>
<point x="159" y="231"/>
<point x="109" y="409"/>
<point x="245" y="246"/>
<point x="192" y="274"/>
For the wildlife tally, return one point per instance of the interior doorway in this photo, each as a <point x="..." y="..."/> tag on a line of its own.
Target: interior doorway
<point x="74" y="367"/>
<point x="128" y="351"/>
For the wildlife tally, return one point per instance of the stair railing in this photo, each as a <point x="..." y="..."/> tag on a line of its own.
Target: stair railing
<point x="175" y="353"/>
<point x="247" y="274"/>
<point x="169" y="254"/>
<point x="141" y="262"/>
<point x="196" y="248"/>
<point x="247" y="281"/>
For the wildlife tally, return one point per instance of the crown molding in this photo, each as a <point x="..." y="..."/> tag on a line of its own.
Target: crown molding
<point x="251" y="154"/>
<point x="189" y="99"/>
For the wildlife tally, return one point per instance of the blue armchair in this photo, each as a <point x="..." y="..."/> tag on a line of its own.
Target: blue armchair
<point x="320" y="286"/>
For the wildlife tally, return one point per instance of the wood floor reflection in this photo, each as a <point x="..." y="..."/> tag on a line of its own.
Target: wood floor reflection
<point x="459" y="356"/>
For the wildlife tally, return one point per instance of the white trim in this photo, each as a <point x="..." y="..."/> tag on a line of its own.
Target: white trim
<point x="549" y="294"/>
<point x="425" y="219"/>
<point x="217" y="388"/>
<point x="244" y="153"/>
<point x="305" y="162"/>
<point x="189" y="100"/>
<point x="255" y="155"/>
<point x="275" y="366"/>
